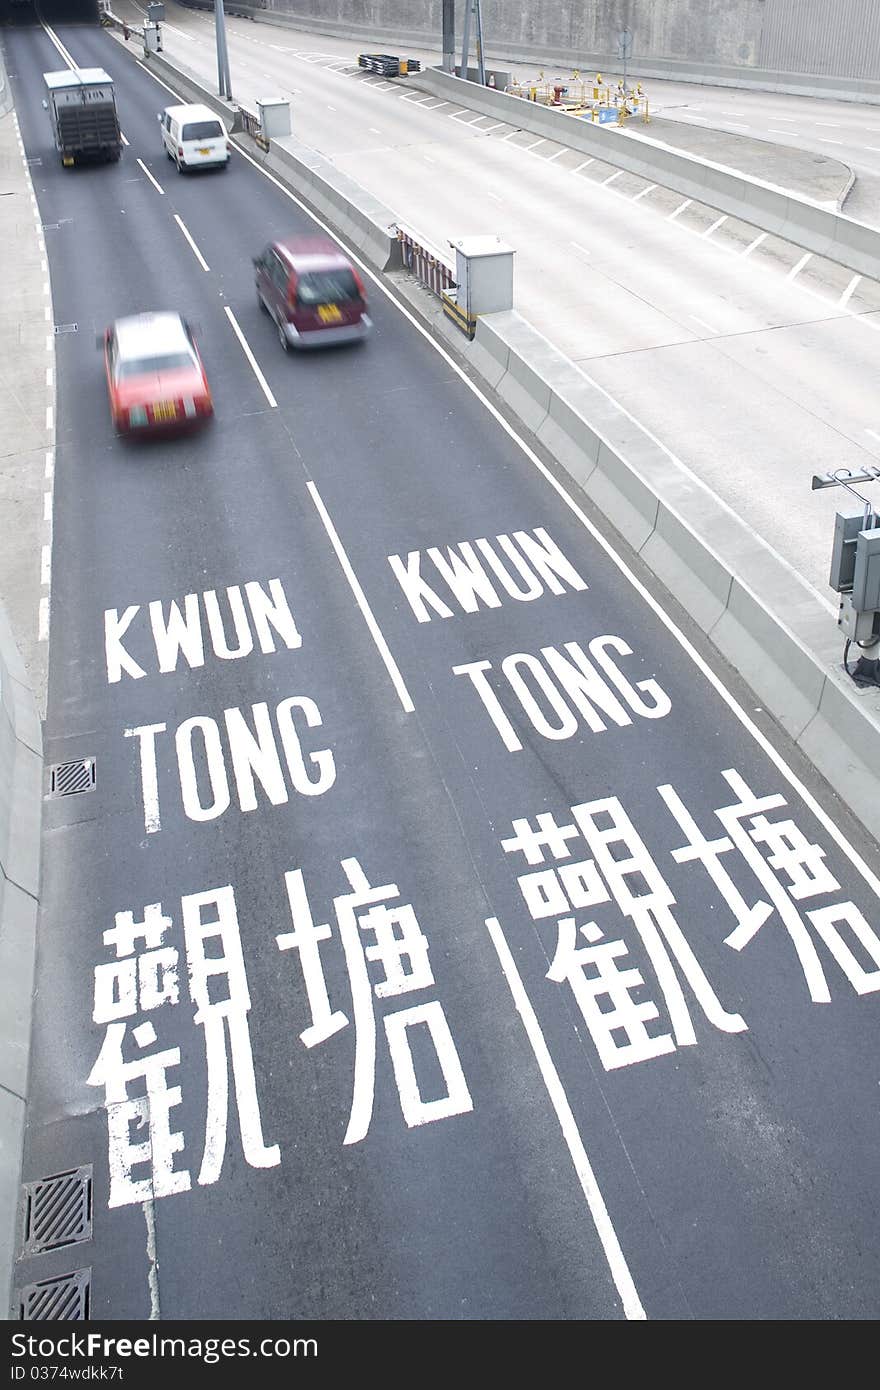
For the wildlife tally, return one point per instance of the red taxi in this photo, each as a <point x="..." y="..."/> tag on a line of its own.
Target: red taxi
<point x="155" y="377"/>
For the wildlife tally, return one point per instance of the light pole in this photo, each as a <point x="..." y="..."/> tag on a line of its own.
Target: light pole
<point x="224" y="80"/>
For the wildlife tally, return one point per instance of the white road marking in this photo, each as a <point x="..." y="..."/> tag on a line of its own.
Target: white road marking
<point x="50" y="463"/>
<point x="874" y="435"/>
<point x="460" y="112"/>
<point x="644" y="192"/>
<point x="43" y="620"/>
<point x="373" y="131"/>
<point x="796" y="269"/>
<point x="703" y="323"/>
<point x="494" y="197"/>
<point x="671" y="216"/>
<point x="439" y="104"/>
<point x="591" y="160"/>
<point x="771" y="131"/>
<point x="50" y="420"/>
<point x="47" y="506"/>
<point x="361" y="600"/>
<point x="762" y="236"/>
<point x="535" y="143"/>
<point x="255" y="366"/>
<point x="428" y="160"/>
<point x="732" y="125"/>
<point x="511" y="135"/>
<point x="623" y="1280"/>
<point x="848" y="292"/>
<point x="46" y="565"/>
<point x="875" y="149"/>
<point x="736" y="709"/>
<point x="583" y="250"/>
<point x="487" y="130"/>
<point x="122" y="138"/>
<point x="60" y="46"/>
<point x="828" y="125"/>
<point x="158" y="187"/>
<point x="715" y="225"/>
<point x="691" y="117"/>
<point x="612" y="177"/>
<point x="331" y="108"/>
<point x="195" y="250"/>
<point x="823" y="141"/>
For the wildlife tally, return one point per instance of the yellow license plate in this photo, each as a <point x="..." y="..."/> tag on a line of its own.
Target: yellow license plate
<point x="164" y="410"/>
<point x="329" y="313"/>
<point x="204" y="151"/>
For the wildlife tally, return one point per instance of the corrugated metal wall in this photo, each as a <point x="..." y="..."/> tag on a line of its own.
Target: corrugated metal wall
<point x="839" y="38"/>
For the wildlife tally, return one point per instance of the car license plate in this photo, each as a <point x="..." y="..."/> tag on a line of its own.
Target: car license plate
<point x="164" y="410"/>
<point x="205" y="151"/>
<point x="329" y="313"/>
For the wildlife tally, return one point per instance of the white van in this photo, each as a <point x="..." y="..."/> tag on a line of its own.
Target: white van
<point x="194" y="137"/>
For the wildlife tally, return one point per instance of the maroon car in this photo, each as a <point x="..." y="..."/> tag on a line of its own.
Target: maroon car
<point x="313" y="292"/>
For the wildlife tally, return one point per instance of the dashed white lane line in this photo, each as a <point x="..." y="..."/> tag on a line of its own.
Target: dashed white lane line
<point x="601" y="540"/>
<point x="255" y="366"/>
<point x="874" y="435"/>
<point x="702" y="323"/>
<point x="762" y="236"/>
<point x="611" y="178"/>
<point x="361" y="599"/>
<point x="47" y="506"/>
<point x="715" y="225"/>
<point x="644" y="193"/>
<point x="788" y="133"/>
<point x="50" y="463"/>
<point x="796" y="269"/>
<point x="50" y="418"/>
<point x="828" y="125"/>
<point x="428" y="160"/>
<point x="195" y="250"/>
<point x="732" y="125"/>
<point x="487" y="130"/>
<point x="494" y="197"/>
<point x="331" y="108"/>
<point x="535" y="143"/>
<point x="158" y="187"/>
<point x="373" y="131"/>
<point x="583" y="250"/>
<point x="591" y="160"/>
<point x="823" y="141"/>
<point x="875" y="149"/>
<point x="46" y="565"/>
<point x="671" y="216"/>
<point x="43" y="620"/>
<point x="623" y="1280"/>
<point x="848" y="292"/>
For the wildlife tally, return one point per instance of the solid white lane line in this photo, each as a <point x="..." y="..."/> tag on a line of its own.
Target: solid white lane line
<point x="875" y="149"/>
<point x="158" y="79"/>
<point x="617" y="1264"/>
<point x="848" y="292"/>
<point x="601" y="540"/>
<point x="158" y="187"/>
<point x="195" y="250"/>
<point x="122" y="138"/>
<point x="250" y="356"/>
<point x="715" y="225"/>
<point x="796" y="269"/>
<point x="703" y="323"/>
<point x="65" y="53"/>
<point x="874" y="435"/>
<point x="583" y="250"/>
<point x="757" y="242"/>
<point x="361" y="600"/>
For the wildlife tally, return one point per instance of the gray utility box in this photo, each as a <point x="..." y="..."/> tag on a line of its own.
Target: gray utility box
<point x="484" y="274"/>
<point x="847" y="525"/>
<point x="152" y="38"/>
<point x="274" y="114"/>
<point x="155" y="12"/>
<point x="866" y="574"/>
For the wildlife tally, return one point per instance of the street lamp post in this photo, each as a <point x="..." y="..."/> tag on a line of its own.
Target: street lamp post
<point x="224" y="80"/>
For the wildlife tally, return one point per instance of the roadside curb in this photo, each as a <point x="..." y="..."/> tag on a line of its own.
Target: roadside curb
<point x="21" y="776"/>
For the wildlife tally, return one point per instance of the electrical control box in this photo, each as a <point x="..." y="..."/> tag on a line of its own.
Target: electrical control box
<point x="866" y="571"/>
<point x="847" y="525"/>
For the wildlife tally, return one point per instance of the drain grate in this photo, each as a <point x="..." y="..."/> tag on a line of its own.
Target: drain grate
<point x="65" y="1299"/>
<point x="66" y="328"/>
<point x="35" y="163"/>
<point x="58" y="1211"/>
<point x="67" y="779"/>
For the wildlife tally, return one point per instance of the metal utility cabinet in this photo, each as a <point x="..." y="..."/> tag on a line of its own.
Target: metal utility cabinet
<point x="82" y="108"/>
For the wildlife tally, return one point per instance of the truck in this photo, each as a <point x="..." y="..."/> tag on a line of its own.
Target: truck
<point x="82" y="108"/>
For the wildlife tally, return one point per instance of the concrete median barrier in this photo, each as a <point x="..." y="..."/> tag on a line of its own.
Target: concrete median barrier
<point x="21" y="774"/>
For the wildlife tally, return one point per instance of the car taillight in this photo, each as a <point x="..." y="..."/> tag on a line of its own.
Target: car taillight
<point x="179" y="152"/>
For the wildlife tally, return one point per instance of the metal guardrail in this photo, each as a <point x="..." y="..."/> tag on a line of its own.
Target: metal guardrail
<point x="425" y="263"/>
<point x="249" y="123"/>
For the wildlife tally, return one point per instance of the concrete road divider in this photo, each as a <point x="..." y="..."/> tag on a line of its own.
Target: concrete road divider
<point x="811" y="225"/>
<point x="21" y="780"/>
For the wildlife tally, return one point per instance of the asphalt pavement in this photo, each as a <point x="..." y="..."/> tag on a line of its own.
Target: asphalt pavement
<point x="587" y="976"/>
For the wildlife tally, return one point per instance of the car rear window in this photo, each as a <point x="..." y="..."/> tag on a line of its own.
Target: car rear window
<point x="202" y="130"/>
<point x="148" y="366"/>
<point x="327" y="287"/>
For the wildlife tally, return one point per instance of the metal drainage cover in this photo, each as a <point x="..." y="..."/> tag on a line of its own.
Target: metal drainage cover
<point x="66" y="328"/>
<point x="66" y="779"/>
<point x="65" y="1299"/>
<point x="58" y="1211"/>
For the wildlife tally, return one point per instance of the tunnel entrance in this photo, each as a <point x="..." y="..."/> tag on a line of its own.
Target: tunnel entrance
<point x="48" y="12"/>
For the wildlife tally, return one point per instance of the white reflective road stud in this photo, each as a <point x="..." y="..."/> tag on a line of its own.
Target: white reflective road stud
<point x="457" y="1100"/>
<point x="146" y="736"/>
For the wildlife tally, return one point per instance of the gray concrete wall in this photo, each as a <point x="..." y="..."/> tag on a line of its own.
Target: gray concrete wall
<point x="839" y="39"/>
